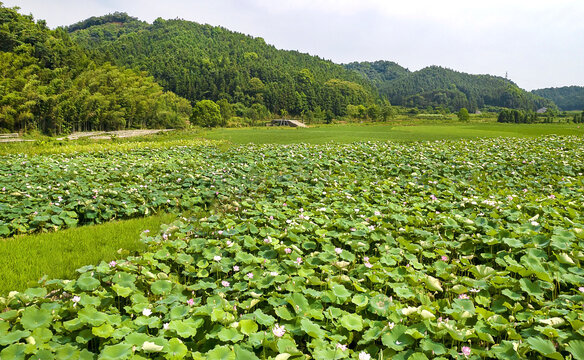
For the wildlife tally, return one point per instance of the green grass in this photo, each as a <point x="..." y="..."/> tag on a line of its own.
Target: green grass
<point x="380" y="132"/>
<point x="26" y="258"/>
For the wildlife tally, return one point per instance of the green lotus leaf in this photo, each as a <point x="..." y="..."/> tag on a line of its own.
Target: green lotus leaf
<point x="185" y="328"/>
<point x="287" y="346"/>
<point x="352" y="322"/>
<point x="284" y="313"/>
<point x="432" y="347"/>
<point x="397" y="338"/>
<point x="116" y="352"/>
<point x="176" y="349"/>
<point x="340" y="291"/>
<point x="44" y="354"/>
<point x="34" y="317"/>
<point x="148" y="346"/>
<point x="122" y="291"/>
<point x="161" y="287"/>
<point x="87" y="283"/>
<point x="543" y="346"/>
<point x="67" y="352"/>
<point x="36" y="292"/>
<point x="230" y="334"/>
<point x="531" y="287"/>
<point x="13" y="337"/>
<point x="264" y="319"/>
<point x="312" y="329"/>
<point x="14" y="352"/>
<point x="244" y="354"/>
<point x="103" y="331"/>
<point x="90" y="315"/>
<point x="221" y="353"/>
<point x="433" y="284"/>
<point x="247" y="326"/>
<point x="360" y="300"/>
<point x="379" y="304"/>
<point x="576" y="348"/>
<point x="42" y="335"/>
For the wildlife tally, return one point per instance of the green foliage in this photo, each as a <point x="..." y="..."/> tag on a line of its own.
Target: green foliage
<point x="439" y="252"/>
<point x="214" y="63"/>
<point x="59" y="254"/>
<point x="566" y="98"/>
<point x="517" y="116"/>
<point x="207" y="113"/>
<point x="49" y="84"/>
<point x="463" y="115"/>
<point x="436" y="86"/>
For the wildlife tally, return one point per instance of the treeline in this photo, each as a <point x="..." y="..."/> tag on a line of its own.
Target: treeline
<point x="531" y="117"/>
<point x="435" y="86"/>
<point x="517" y="116"/>
<point x="567" y="98"/>
<point x="205" y="62"/>
<point x="49" y="84"/>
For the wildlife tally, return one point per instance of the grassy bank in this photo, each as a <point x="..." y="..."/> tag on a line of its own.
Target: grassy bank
<point x="27" y="258"/>
<point x="381" y="132"/>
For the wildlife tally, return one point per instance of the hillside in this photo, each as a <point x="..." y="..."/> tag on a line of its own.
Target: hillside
<point x="205" y="62"/>
<point x="49" y="84"/>
<point x="436" y="86"/>
<point x="567" y="98"/>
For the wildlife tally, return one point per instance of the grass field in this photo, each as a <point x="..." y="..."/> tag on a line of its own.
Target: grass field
<point x="27" y="258"/>
<point x="373" y="132"/>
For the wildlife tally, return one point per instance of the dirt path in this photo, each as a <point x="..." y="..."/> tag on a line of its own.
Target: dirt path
<point x="109" y="134"/>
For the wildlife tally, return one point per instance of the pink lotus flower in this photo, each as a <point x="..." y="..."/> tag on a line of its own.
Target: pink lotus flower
<point x="235" y="268"/>
<point x="338" y="250"/>
<point x="279" y="331"/>
<point x="366" y="258"/>
<point x="250" y="275"/>
<point x="581" y="289"/>
<point x="463" y="296"/>
<point x="217" y="258"/>
<point x="113" y="263"/>
<point x="288" y="250"/>
<point x="342" y="347"/>
<point x="466" y="351"/>
<point x="191" y="302"/>
<point x="225" y="283"/>
<point x="299" y="260"/>
<point x="444" y="258"/>
<point x="368" y="265"/>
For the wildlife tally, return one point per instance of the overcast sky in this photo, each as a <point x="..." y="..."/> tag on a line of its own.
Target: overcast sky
<point x="539" y="43"/>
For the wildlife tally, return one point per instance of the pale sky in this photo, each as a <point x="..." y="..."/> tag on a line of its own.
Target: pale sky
<point x="539" y="43"/>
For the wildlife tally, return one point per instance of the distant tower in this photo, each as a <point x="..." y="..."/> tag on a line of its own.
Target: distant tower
<point x="506" y="77"/>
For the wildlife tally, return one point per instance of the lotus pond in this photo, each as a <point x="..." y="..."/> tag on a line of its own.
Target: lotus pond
<point x="455" y="250"/>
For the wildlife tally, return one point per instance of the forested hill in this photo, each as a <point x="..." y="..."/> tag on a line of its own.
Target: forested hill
<point x="206" y="62"/>
<point x="436" y="86"/>
<point x="567" y="98"/>
<point x="49" y="84"/>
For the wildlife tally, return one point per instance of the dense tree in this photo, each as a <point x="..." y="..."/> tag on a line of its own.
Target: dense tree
<point x="517" y="116"/>
<point x="207" y="113"/>
<point x="567" y="98"/>
<point x="439" y="87"/>
<point x="463" y="115"/>
<point x="205" y="62"/>
<point x="49" y="84"/>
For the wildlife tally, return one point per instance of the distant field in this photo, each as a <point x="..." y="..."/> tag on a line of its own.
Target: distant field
<point x="352" y="133"/>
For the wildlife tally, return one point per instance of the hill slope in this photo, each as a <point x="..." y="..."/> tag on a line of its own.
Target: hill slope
<point x="567" y="98"/>
<point x="205" y="62"/>
<point x="48" y="83"/>
<point x="436" y="86"/>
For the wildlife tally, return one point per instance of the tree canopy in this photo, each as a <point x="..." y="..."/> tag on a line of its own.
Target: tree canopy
<point x="50" y="84"/>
